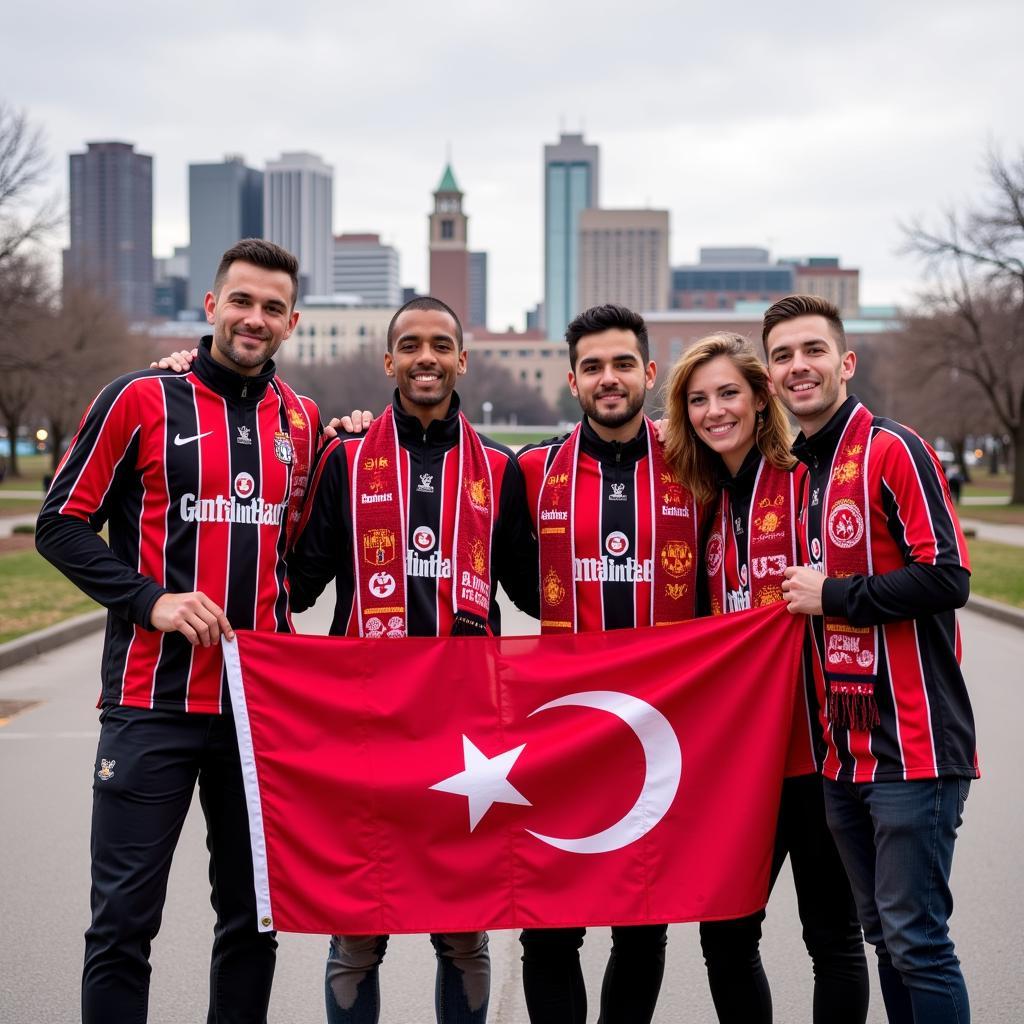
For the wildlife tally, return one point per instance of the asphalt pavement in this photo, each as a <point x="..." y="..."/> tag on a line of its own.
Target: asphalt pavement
<point x="46" y="760"/>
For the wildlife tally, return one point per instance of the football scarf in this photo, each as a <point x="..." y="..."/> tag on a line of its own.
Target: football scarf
<point x="379" y="528"/>
<point x="851" y="652"/>
<point x="294" y="448"/>
<point x="674" y="532"/>
<point x="771" y="539"/>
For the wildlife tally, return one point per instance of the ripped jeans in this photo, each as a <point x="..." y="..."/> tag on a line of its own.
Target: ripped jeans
<point x="461" y="991"/>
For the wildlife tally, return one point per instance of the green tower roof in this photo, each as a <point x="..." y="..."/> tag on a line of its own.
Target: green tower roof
<point x="448" y="181"/>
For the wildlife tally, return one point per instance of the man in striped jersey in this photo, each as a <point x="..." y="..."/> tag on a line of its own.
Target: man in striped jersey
<point x="199" y="477"/>
<point x="885" y="568"/>
<point x="417" y="522"/>
<point x="617" y="536"/>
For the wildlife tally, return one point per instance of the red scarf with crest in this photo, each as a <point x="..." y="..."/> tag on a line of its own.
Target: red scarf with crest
<point x="674" y="533"/>
<point x="379" y="520"/>
<point x="851" y="652"/>
<point x="771" y="539"/>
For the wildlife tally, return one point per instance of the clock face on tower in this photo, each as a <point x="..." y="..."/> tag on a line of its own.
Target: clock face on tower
<point x="448" y="205"/>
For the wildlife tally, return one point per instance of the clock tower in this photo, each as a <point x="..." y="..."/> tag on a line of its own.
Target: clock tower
<point x="449" y="252"/>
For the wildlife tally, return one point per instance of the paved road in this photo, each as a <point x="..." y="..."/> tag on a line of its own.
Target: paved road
<point x="46" y="757"/>
<point x="1003" y="533"/>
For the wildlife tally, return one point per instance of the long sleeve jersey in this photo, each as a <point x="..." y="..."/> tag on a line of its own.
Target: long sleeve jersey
<point x="191" y="473"/>
<point x="429" y="471"/>
<point x="920" y="575"/>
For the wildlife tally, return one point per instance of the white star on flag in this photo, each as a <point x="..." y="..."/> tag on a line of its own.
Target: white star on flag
<point x="484" y="781"/>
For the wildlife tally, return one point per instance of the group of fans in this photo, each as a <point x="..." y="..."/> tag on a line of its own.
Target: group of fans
<point x="223" y="513"/>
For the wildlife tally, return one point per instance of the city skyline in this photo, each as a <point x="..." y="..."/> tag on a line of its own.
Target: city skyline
<point x="807" y="139"/>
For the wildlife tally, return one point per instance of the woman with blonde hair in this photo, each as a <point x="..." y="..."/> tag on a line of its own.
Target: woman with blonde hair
<point x="728" y="438"/>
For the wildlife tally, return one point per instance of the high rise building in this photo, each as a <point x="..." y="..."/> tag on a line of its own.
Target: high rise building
<point x="170" y="284"/>
<point x="477" y="289"/>
<point x="225" y="203"/>
<point x="111" y="225"/>
<point x="298" y="204"/>
<point x="570" y="185"/>
<point x="623" y="258"/>
<point x="822" y="275"/>
<point x="449" y="254"/>
<point x="365" y="268"/>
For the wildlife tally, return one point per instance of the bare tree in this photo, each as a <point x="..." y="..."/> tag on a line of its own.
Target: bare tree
<point x="78" y="349"/>
<point x="976" y="258"/>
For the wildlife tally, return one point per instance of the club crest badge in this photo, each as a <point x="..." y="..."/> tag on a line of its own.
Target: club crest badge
<point x="477" y="491"/>
<point x="845" y="523"/>
<point x="282" y="448"/>
<point x="244" y="436"/>
<point x="616" y="544"/>
<point x="378" y="546"/>
<point x="106" y="769"/>
<point x="244" y="485"/>
<point x="382" y="584"/>
<point x="714" y="553"/>
<point x="426" y="484"/>
<point x="676" y="558"/>
<point x="618" y="493"/>
<point x="423" y="538"/>
<point x="554" y="592"/>
<point x="478" y="556"/>
<point x="816" y="549"/>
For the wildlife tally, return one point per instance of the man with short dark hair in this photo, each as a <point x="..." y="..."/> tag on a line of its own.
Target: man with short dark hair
<point x="618" y="541"/>
<point x="199" y="477"/>
<point x="417" y="522"/>
<point x="886" y="567"/>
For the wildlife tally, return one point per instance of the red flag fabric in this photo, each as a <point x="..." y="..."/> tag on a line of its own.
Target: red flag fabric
<point x="459" y="784"/>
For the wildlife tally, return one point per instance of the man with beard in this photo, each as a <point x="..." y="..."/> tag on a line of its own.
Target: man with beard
<point x="618" y="537"/>
<point x="885" y="568"/>
<point x="199" y="476"/>
<point x="417" y="522"/>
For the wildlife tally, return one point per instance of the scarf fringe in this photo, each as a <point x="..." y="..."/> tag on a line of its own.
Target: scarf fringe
<point x="857" y="711"/>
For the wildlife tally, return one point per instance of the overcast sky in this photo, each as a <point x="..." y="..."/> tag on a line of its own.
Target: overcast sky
<point x="812" y="129"/>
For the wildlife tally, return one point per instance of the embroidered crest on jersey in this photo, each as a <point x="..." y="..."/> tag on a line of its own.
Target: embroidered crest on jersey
<point x="618" y="493"/>
<point x="244" y="485"/>
<point x="616" y="543"/>
<point x="106" y="769"/>
<point x="283" y="448"/>
<point x="243" y="436"/>
<point x="423" y="538"/>
<point x="426" y="484"/>
<point x="676" y="558"/>
<point x="382" y="584"/>
<point x="845" y="523"/>
<point x="554" y="592"/>
<point x="478" y="496"/>
<point x="379" y="547"/>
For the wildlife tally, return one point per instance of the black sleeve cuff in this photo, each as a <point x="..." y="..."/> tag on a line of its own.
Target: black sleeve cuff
<point x="833" y="596"/>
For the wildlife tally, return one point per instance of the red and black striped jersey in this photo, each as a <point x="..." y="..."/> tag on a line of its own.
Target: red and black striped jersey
<point x="919" y="576"/>
<point x="613" y="526"/>
<point x="429" y="471"/>
<point x="191" y="473"/>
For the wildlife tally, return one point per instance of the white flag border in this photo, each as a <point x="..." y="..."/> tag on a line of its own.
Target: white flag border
<point x="250" y="780"/>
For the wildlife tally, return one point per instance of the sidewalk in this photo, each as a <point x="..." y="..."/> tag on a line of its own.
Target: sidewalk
<point x="1003" y="533"/>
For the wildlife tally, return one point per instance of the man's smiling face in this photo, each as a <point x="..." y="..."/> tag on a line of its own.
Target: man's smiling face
<point x="425" y="358"/>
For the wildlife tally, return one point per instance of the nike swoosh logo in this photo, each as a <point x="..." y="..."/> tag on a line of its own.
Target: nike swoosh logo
<point x="179" y="440"/>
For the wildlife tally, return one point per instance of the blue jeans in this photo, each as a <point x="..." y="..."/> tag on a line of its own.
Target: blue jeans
<point x="461" y="991"/>
<point x="896" y="842"/>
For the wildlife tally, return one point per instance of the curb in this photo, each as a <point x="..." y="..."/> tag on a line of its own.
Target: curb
<point x="1005" y="613"/>
<point x="14" y="652"/>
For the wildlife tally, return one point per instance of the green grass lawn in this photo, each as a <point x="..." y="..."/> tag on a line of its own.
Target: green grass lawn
<point x="33" y="595"/>
<point x="984" y="485"/>
<point x="517" y="440"/>
<point x="19" y="505"/>
<point x="997" y="571"/>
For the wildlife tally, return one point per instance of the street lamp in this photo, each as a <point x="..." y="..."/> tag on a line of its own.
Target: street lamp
<point x="488" y="408"/>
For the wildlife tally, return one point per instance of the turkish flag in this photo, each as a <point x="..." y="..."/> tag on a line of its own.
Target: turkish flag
<point x="460" y="784"/>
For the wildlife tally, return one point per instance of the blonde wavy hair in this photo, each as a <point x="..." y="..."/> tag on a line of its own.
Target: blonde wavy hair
<point x="691" y="458"/>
